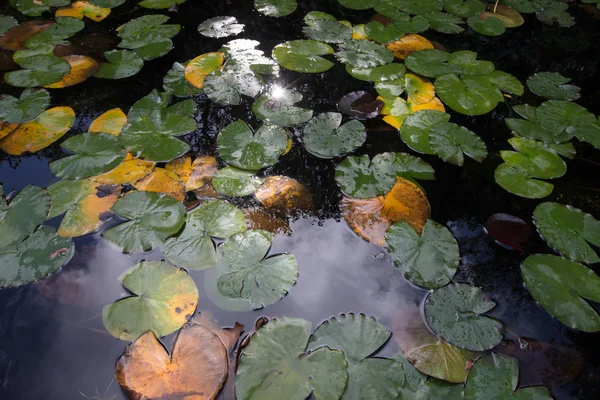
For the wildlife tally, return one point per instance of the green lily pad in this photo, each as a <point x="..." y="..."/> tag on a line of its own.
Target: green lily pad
<point x="418" y="7"/>
<point x="175" y="83"/>
<point x="464" y="8"/>
<point x="383" y="34"/>
<point x="469" y="64"/>
<point x="359" y="337"/>
<point x="495" y="377"/>
<point x="38" y="70"/>
<point x="239" y="146"/>
<point x="275" y="8"/>
<point x="235" y="182"/>
<point x="245" y="278"/>
<point x="107" y="3"/>
<point x="35" y="8"/>
<point x="146" y="30"/>
<point x="56" y="34"/>
<point x="534" y="158"/>
<point x="431" y="63"/>
<point x="441" y="360"/>
<point x="553" y="85"/>
<point x="325" y="28"/>
<point x="278" y="108"/>
<point x="558" y="117"/>
<point x="384" y="73"/>
<point x="364" y="54"/>
<point x="490" y="26"/>
<point x="39" y="255"/>
<point x="449" y="141"/>
<point x="29" y="105"/>
<point x="158" y="4"/>
<point x="418" y="386"/>
<point x="360" y="177"/>
<point x="568" y="230"/>
<point x="455" y="313"/>
<point x="280" y="346"/>
<point x="562" y="286"/>
<point x="515" y="180"/>
<point x="193" y="248"/>
<point x="152" y="218"/>
<point x="416" y="127"/>
<point x="165" y="297"/>
<point x="359" y="4"/>
<point x="324" y="136"/>
<point x="530" y="128"/>
<point x="416" y="24"/>
<point x="19" y="219"/>
<point x="444" y="22"/>
<point x="410" y="167"/>
<point x="96" y="153"/>
<point x="303" y="56"/>
<point x="220" y="27"/>
<point x="121" y="64"/>
<point x="7" y="22"/>
<point x="552" y="12"/>
<point x="155" y="49"/>
<point x="429" y="260"/>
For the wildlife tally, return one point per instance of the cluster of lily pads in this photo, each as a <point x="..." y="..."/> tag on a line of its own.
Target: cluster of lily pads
<point x="35" y="8"/>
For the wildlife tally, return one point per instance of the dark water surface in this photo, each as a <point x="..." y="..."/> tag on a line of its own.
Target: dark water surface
<point x="59" y="350"/>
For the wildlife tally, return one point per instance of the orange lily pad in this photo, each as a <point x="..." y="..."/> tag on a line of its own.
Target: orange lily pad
<point x="198" y="68"/>
<point x="261" y="219"/>
<point x="130" y="170"/>
<point x="6" y="128"/>
<point x="407" y="44"/>
<point x="161" y="180"/>
<point x="284" y="194"/>
<point x="82" y="68"/>
<point x="111" y="122"/>
<point x="85" y="216"/>
<point x="194" y="174"/>
<point x="80" y="9"/>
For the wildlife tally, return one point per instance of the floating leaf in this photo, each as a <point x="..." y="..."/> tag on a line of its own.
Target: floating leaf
<point x="508" y="231"/>
<point x="130" y="170"/>
<point x="429" y="260"/>
<point x="449" y="141"/>
<point x="158" y="4"/>
<point x="197" y="69"/>
<point x="15" y="37"/>
<point x="239" y="146"/>
<point x="534" y="159"/>
<point x="152" y="218"/>
<point x="202" y="172"/>
<point x="107" y="3"/>
<point x="145" y="30"/>
<point x="285" y="195"/>
<point x="111" y="122"/>
<point x="432" y="63"/>
<point x="39" y="133"/>
<point x="416" y="24"/>
<point x="6" y="128"/>
<point x="175" y="83"/>
<point x="487" y="25"/>
<point x="568" y="230"/>
<point x="275" y="8"/>
<point x="515" y="180"/>
<point x="259" y="218"/>
<point x="531" y="129"/>
<point x="40" y="254"/>
<point x="321" y="373"/>
<point x="160" y="180"/>
<point x="496" y="377"/>
<point x="363" y="54"/>
<point x="324" y="136"/>
<point x="418" y="89"/>
<point x="164" y="298"/>
<point x="455" y="312"/>
<point x="558" y="116"/>
<point x="383" y="34"/>
<point x="80" y="9"/>
<point x="28" y="106"/>
<point x="360" y="105"/>
<point x="416" y="127"/>
<point x="220" y="27"/>
<point x="245" y="278"/>
<point x="121" y="64"/>
<point x="384" y="73"/>
<point x="553" y="85"/>
<point x="562" y="287"/>
<point x="7" y="22"/>
<point x="19" y="219"/>
<point x="235" y="182"/>
<point x="358" y="4"/>
<point x="359" y="337"/>
<point x="443" y="22"/>
<point x="279" y="109"/>
<point x="193" y="248"/>
<point x="303" y="56"/>
<point x="464" y="8"/>
<point x="418" y="386"/>
<point x="35" y="8"/>
<point x="325" y="28"/>
<point x="96" y="153"/>
<point x="510" y="17"/>
<point x="38" y="70"/>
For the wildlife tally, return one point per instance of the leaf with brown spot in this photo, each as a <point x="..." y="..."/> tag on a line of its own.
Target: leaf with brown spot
<point x="181" y="166"/>
<point x="207" y="192"/>
<point x="284" y="194"/>
<point x="14" y="39"/>
<point x="194" y="174"/>
<point x="130" y="170"/>
<point x="79" y="9"/>
<point x="258" y="218"/>
<point x="40" y="133"/>
<point x="111" y="122"/>
<point x="6" y="128"/>
<point x="196" y="369"/>
<point x="164" y="181"/>
<point x="82" y="68"/>
<point x="408" y="44"/>
<point x="365" y="217"/>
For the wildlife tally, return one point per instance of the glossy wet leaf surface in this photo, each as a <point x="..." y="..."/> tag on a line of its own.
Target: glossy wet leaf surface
<point x="552" y="85"/>
<point x="30" y="104"/>
<point x="324" y="27"/>
<point x="275" y="8"/>
<point x="324" y="136"/>
<point x="284" y="195"/>
<point x="363" y="54"/>
<point x="235" y="182"/>
<point x="220" y="27"/>
<point x="303" y="56"/>
<point x="281" y="109"/>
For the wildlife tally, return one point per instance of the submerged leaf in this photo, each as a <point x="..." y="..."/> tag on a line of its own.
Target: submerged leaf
<point x="508" y="231"/>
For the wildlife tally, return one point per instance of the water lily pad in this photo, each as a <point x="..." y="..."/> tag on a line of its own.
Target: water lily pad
<point x="510" y="17"/>
<point x="324" y="136"/>
<point x="383" y="73"/>
<point x="39" y="133"/>
<point x="161" y="180"/>
<point x="107" y="3"/>
<point x="239" y="146"/>
<point x="464" y="8"/>
<point x="164" y="298"/>
<point x="19" y="219"/>
<point x="193" y="248"/>
<point x="488" y="25"/>
<point x="431" y="63"/>
<point x="198" y="68"/>
<point x="363" y="54"/>
<point x="508" y="231"/>
<point x="496" y="376"/>
<point x="235" y="182"/>
<point x="145" y="30"/>
<point x="175" y="83"/>
<point x="408" y="44"/>
<point x="429" y="260"/>
<point x="285" y="195"/>
<point x="416" y="127"/>
<point x="358" y="4"/>
<point x="15" y="37"/>
<point x="303" y="56"/>
<point x="360" y="177"/>
<point x="383" y="34"/>
<point x="158" y="4"/>
<point x="279" y="109"/>
<point x="359" y="337"/>
<point x="559" y="116"/>
<point x="121" y="64"/>
<point x="418" y="89"/>
<point x="412" y="25"/>
<point x="152" y="218"/>
<point x="515" y="180"/>
<point x="96" y="153"/>
<point x="155" y="49"/>
<point x="245" y="278"/>
<point x="455" y="312"/>
<point x="28" y="106"/>
<point x="418" y="386"/>
<point x="111" y="122"/>
<point x="220" y="27"/>
<point x="194" y="174"/>
<point x="553" y="85"/>
<point x="441" y="360"/>
<point x="562" y="287"/>
<point x="38" y="70"/>
<point x="444" y="22"/>
<point x="531" y="129"/>
<point x="551" y="12"/>
<point x="568" y="230"/>
<point x="147" y="369"/>
<point x="360" y="105"/>
<point x="325" y="28"/>
<point x="7" y="22"/>
<point x="449" y="141"/>
<point x="40" y="254"/>
<point x="275" y="8"/>
<point x="321" y="373"/>
<point x="80" y="9"/>
<point x="35" y="8"/>
<point x="129" y="171"/>
<point x="534" y="158"/>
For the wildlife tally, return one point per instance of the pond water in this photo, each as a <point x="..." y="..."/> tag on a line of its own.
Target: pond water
<point x="54" y="344"/>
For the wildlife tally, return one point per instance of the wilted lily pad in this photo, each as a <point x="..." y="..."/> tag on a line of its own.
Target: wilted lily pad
<point x="359" y="337"/>
<point x="496" y="376"/>
<point x="193" y="247"/>
<point x="553" y="85"/>
<point x="568" y="230"/>
<point x="279" y="109"/>
<point x="364" y="54"/>
<point x="130" y="170"/>
<point x="321" y="373"/>
<point x="455" y="312"/>
<point x="194" y="174"/>
<point x="418" y="386"/>
<point x="164" y="298"/>
<point x="239" y="146"/>
<point x="562" y="287"/>
<point x="303" y="56"/>
<point x="80" y="9"/>
<point x="275" y="8"/>
<point x="161" y="180"/>
<point x="111" y="122"/>
<point x="324" y="136"/>
<point x="152" y="218"/>
<point x="235" y="182"/>
<point x="19" y="218"/>
<point x="245" y="278"/>
<point x="429" y="260"/>
<point x="220" y="27"/>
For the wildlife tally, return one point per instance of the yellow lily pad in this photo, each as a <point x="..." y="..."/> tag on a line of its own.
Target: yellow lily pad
<point x="6" y="128"/>
<point x="421" y="91"/>
<point x="194" y="174"/>
<point x="111" y="122"/>
<point x="80" y="9"/>
<point x="82" y="68"/>
<point x="85" y="216"/>
<point x="201" y="66"/>
<point x="408" y="44"/>
<point x="161" y="180"/>
<point x="284" y="194"/>
<point x="130" y="170"/>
